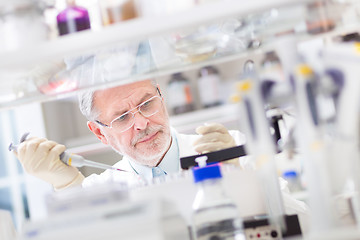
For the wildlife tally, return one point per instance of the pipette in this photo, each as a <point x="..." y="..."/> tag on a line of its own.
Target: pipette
<point x="71" y="159"/>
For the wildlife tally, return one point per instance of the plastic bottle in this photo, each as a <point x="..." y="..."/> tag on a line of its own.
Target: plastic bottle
<point x="271" y="68"/>
<point x="215" y="216"/>
<point x="209" y="87"/>
<point x="180" y="98"/>
<point x="72" y="19"/>
<point x="293" y="179"/>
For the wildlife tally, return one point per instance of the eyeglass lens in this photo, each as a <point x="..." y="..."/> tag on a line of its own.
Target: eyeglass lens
<point x="147" y="109"/>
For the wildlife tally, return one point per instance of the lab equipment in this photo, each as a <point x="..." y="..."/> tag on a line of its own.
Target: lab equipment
<point x="198" y="45"/>
<point x="341" y="64"/>
<point x="271" y="68"/>
<point x="209" y="86"/>
<point x="215" y="156"/>
<point x="72" y="19"/>
<point x="83" y="198"/>
<point x="259" y="141"/>
<point x="147" y="218"/>
<point x="71" y="159"/>
<point x="293" y="179"/>
<point x="114" y="11"/>
<point x="53" y="77"/>
<point x="318" y="18"/>
<point x="215" y="216"/>
<point x="313" y="148"/>
<point x="180" y="97"/>
<point x="16" y="32"/>
<point x="79" y="161"/>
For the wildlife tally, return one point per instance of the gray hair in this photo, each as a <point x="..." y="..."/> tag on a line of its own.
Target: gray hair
<point x="86" y="103"/>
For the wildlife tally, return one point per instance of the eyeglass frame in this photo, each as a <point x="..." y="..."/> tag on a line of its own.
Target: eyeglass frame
<point x="133" y="114"/>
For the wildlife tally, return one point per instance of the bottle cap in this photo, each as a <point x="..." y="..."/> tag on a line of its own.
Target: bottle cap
<point x="290" y="174"/>
<point x="201" y="161"/>
<point x="207" y="172"/>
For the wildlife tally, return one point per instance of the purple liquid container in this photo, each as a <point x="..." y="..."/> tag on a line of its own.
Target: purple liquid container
<point x="73" y="19"/>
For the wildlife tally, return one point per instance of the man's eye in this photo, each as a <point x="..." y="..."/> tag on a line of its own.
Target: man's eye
<point x="147" y="104"/>
<point x="122" y="118"/>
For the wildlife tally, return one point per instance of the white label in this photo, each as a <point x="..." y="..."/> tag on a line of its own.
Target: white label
<point x="209" y="89"/>
<point x="177" y="94"/>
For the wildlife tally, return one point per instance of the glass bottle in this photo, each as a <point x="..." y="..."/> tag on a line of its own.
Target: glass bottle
<point x="271" y="68"/>
<point x="72" y="19"/>
<point x="16" y="32"/>
<point x="215" y="216"/>
<point x="180" y="97"/>
<point x="209" y="87"/>
<point x="293" y="179"/>
<point x="319" y="20"/>
<point x="114" y="11"/>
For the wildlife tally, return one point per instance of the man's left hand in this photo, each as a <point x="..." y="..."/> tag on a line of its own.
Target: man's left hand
<point x="214" y="137"/>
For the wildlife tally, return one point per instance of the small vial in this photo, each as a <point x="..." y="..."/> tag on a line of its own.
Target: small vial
<point x="215" y="216"/>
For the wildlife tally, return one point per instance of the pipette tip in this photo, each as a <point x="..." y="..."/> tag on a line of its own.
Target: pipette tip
<point x="12" y="147"/>
<point x="118" y="169"/>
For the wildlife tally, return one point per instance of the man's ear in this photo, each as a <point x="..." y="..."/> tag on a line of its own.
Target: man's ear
<point x="97" y="131"/>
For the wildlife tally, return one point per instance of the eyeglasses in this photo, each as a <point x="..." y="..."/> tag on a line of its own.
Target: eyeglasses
<point x="124" y="122"/>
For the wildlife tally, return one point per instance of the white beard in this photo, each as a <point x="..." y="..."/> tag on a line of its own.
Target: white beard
<point x="144" y="157"/>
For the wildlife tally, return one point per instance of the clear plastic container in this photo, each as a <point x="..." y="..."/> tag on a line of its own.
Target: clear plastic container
<point x="215" y="216"/>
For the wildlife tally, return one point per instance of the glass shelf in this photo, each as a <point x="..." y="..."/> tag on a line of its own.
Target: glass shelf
<point x="149" y="47"/>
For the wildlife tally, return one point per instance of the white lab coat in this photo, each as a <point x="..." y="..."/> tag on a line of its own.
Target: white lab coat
<point x="186" y="148"/>
<point x="185" y="141"/>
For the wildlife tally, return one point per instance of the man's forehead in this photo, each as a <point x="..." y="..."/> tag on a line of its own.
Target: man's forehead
<point x="126" y="91"/>
<point x="122" y="96"/>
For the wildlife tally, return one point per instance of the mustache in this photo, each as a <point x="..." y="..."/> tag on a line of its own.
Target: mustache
<point x="148" y="131"/>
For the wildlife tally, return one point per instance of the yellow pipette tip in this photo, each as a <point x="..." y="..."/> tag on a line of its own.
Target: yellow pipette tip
<point x="244" y="85"/>
<point x="304" y="69"/>
<point x="235" y="98"/>
<point x="357" y="47"/>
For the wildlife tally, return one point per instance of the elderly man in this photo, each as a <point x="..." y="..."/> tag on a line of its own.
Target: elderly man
<point x="133" y="120"/>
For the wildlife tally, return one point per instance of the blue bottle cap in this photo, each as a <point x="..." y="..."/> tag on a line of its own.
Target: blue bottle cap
<point x="290" y="174"/>
<point x="208" y="172"/>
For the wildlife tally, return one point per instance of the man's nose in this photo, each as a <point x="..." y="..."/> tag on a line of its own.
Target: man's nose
<point x="140" y="122"/>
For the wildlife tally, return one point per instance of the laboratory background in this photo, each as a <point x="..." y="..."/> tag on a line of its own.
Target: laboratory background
<point x="286" y="73"/>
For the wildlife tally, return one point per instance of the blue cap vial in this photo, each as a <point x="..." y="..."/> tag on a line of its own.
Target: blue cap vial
<point x="207" y="172"/>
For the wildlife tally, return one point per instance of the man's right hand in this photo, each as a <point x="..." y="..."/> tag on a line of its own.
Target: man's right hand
<point x="40" y="158"/>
